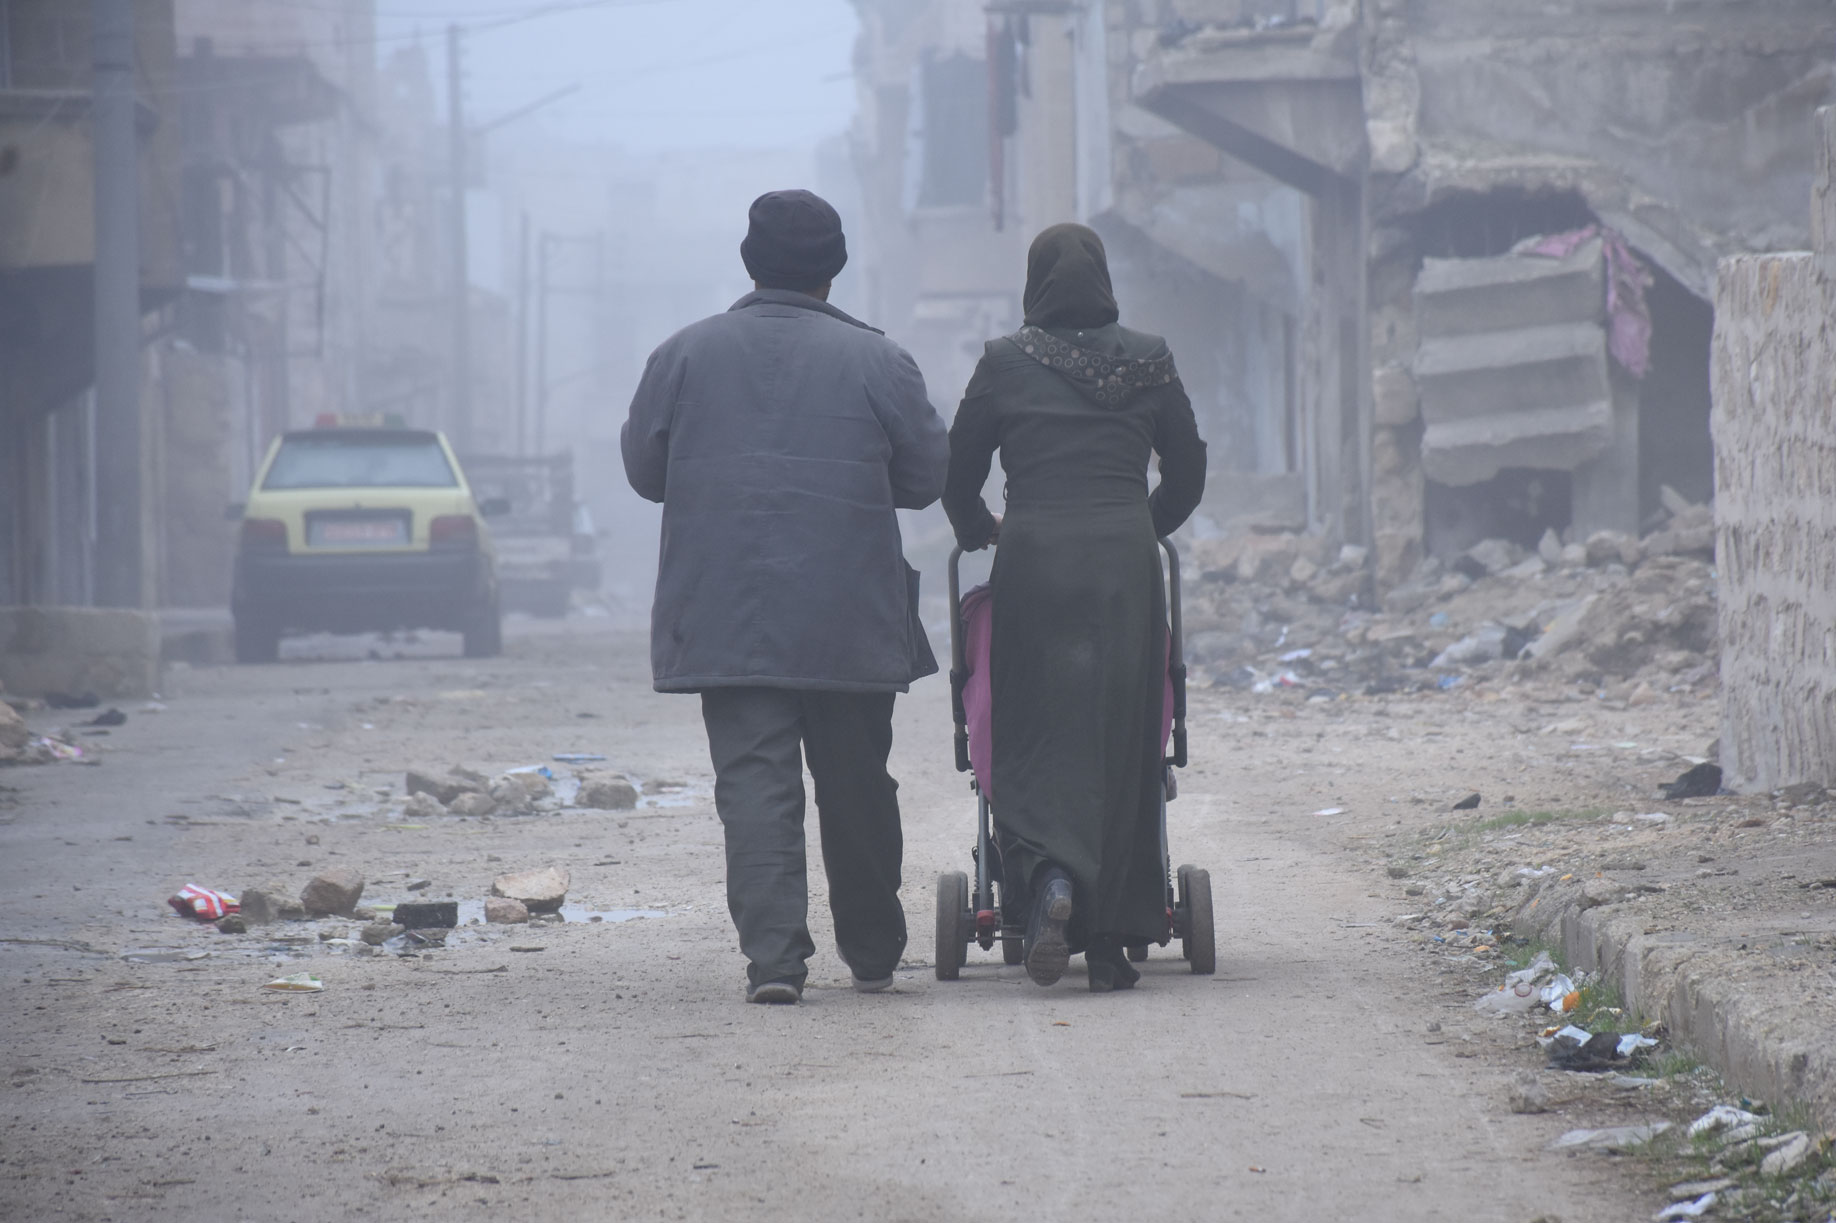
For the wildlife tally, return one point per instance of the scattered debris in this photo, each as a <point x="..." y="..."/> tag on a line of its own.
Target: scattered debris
<point x="1792" y="1150"/>
<point x="605" y="793"/>
<point x="503" y="911"/>
<point x="1613" y="1139"/>
<point x="202" y="903"/>
<point x="108" y="717"/>
<point x="541" y="890"/>
<point x="334" y="892"/>
<point x="1469" y="803"/>
<point x="424" y="915"/>
<point x="472" y="802"/>
<point x="1528" y="1095"/>
<point x="1575" y="1048"/>
<point x="234" y="923"/>
<point x="270" y="903"/>
<point x="1687" y="1210"/>
<point x="1701" y="781"/>
<point x="422" y="806"/>
<point x="296" y="983"/>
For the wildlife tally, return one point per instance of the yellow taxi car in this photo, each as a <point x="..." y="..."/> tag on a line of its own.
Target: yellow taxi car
<point x="363" y="529"/>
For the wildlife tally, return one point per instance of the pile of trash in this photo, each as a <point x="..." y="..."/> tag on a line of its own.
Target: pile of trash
<point x="1269" y="612"/>
<point x="521" y="791"/>
<point x="19" y="744"/>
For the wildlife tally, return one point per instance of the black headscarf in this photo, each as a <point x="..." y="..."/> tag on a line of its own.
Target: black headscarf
<point x="1067" y="286"/>
<point x="1067" y="279"/>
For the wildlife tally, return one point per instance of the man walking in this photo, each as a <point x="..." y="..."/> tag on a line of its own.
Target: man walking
<point x="780" y="436"/>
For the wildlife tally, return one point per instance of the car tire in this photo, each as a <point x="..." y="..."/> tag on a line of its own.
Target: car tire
<point x="484" y="631"/>
<point x="256" y="640"/>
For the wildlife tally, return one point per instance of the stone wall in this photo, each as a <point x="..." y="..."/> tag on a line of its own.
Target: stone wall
<point x="1775" y="503"/>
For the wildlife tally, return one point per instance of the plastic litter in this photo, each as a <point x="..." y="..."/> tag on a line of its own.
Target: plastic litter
<point x="1573" y="1048"/>
<point x="1560" y="995"/>
<point x="577" y="757"/>
<point x="1520" y="992"/>
<point x="541" y="769"/>
<point x="1296" y="655"/>
<point x="1615" y="1138"/>
<point x="1281" y="679"/>
<point x="1740" y="1123"/>
<point x="296" y="983"/>
<point x="57" y="749"/>
<point x="1330" y="811"/>
<point x="202" y="903"/>
<point x="1686" y="1210"/>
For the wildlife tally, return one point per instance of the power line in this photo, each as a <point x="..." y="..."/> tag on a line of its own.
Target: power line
<point x="558" y="8"/>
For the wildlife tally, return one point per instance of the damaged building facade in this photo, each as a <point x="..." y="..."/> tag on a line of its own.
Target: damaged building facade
<point x="1435" y="271"/>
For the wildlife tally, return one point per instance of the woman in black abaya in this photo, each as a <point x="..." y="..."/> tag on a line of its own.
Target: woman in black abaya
<point x="1077" y="404"/>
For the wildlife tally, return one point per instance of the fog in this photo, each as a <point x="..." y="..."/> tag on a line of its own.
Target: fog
<point x="1300" y="197"/>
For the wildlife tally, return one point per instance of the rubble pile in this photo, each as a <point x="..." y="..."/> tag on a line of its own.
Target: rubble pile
<point x="19" y="744"/>
<point x="1626" y="617"/>
<point x="526" y="791"/>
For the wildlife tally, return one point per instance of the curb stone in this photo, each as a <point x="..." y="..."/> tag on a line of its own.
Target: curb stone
<point x="1749" y="1031"/>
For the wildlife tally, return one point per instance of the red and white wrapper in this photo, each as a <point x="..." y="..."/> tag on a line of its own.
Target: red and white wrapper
<point x="205" y="904"/>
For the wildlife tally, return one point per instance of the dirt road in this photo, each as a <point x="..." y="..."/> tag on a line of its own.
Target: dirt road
<point x="610" y="1070"/>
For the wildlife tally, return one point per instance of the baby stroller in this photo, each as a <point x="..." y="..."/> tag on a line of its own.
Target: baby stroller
<point x="968" y="915"/>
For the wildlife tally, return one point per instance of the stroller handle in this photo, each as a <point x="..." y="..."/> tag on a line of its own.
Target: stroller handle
<point x="1176" y="658"/>
<point x="959" y="672"/>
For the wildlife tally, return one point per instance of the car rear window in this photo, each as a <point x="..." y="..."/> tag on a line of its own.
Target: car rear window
<point x="348" y="462"/>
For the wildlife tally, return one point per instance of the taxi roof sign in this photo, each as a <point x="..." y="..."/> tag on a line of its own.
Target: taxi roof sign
<point x="359" y="420"/>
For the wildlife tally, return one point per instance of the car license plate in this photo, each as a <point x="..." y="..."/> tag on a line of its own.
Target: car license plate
<point x="356" y="532"/>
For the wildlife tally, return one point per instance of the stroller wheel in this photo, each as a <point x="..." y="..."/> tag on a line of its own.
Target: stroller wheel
<point x="953" y="923"/>
<point x="1198" y="939"/>
<point x="1138" y="954"/>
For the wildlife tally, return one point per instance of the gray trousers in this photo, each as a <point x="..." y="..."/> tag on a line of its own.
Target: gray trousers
<point x="758" y="739"/>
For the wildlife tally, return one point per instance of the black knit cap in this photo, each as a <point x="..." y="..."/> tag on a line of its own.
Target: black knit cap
<point x="794" y="241"/>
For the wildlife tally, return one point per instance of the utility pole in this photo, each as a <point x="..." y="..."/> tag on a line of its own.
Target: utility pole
<point x="119" y="559"/>
<point x="460" y="370"/>
<point x="541" y="353"/>
<point x="522" y="335"/>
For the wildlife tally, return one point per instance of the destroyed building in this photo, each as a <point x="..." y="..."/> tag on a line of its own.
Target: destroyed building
<point x="1434" y="272"/>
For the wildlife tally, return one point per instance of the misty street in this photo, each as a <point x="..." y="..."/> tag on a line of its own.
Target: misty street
<point x="614" y="1072"/>
<point x="918" y="610"/>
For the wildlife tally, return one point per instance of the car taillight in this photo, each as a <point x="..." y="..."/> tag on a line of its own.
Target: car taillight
<point x="456" y="531"/>
<point x="264" y="534"/>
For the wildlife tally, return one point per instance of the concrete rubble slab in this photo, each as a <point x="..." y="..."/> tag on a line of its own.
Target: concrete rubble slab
<point x="112" y="652"/>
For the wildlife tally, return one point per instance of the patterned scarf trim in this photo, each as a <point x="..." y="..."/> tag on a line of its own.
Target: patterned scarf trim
<point x="1111" y="381"/>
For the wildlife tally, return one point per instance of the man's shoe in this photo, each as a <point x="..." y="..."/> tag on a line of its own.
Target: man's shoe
<point x="873" y="985"/>
<point x="775" y="993"/>
<point x="1047" y="953"/>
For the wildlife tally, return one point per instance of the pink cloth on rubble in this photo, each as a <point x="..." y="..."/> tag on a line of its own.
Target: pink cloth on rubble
<point x="1628" y="319"/>
<point x="978" y="686"/>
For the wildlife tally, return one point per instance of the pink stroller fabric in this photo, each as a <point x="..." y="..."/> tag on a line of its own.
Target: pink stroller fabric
<point x="978" y="691"/>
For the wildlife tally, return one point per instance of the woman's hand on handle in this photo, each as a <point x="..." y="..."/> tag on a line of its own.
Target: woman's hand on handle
<point x="994" y="532"/>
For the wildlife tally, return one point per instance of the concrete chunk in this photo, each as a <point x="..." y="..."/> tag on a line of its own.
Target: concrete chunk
<point x="541" y="890"/>
<point x="335" y="891"/>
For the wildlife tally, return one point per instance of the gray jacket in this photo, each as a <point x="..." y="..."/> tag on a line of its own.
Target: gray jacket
<point x="780" y="436"/>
